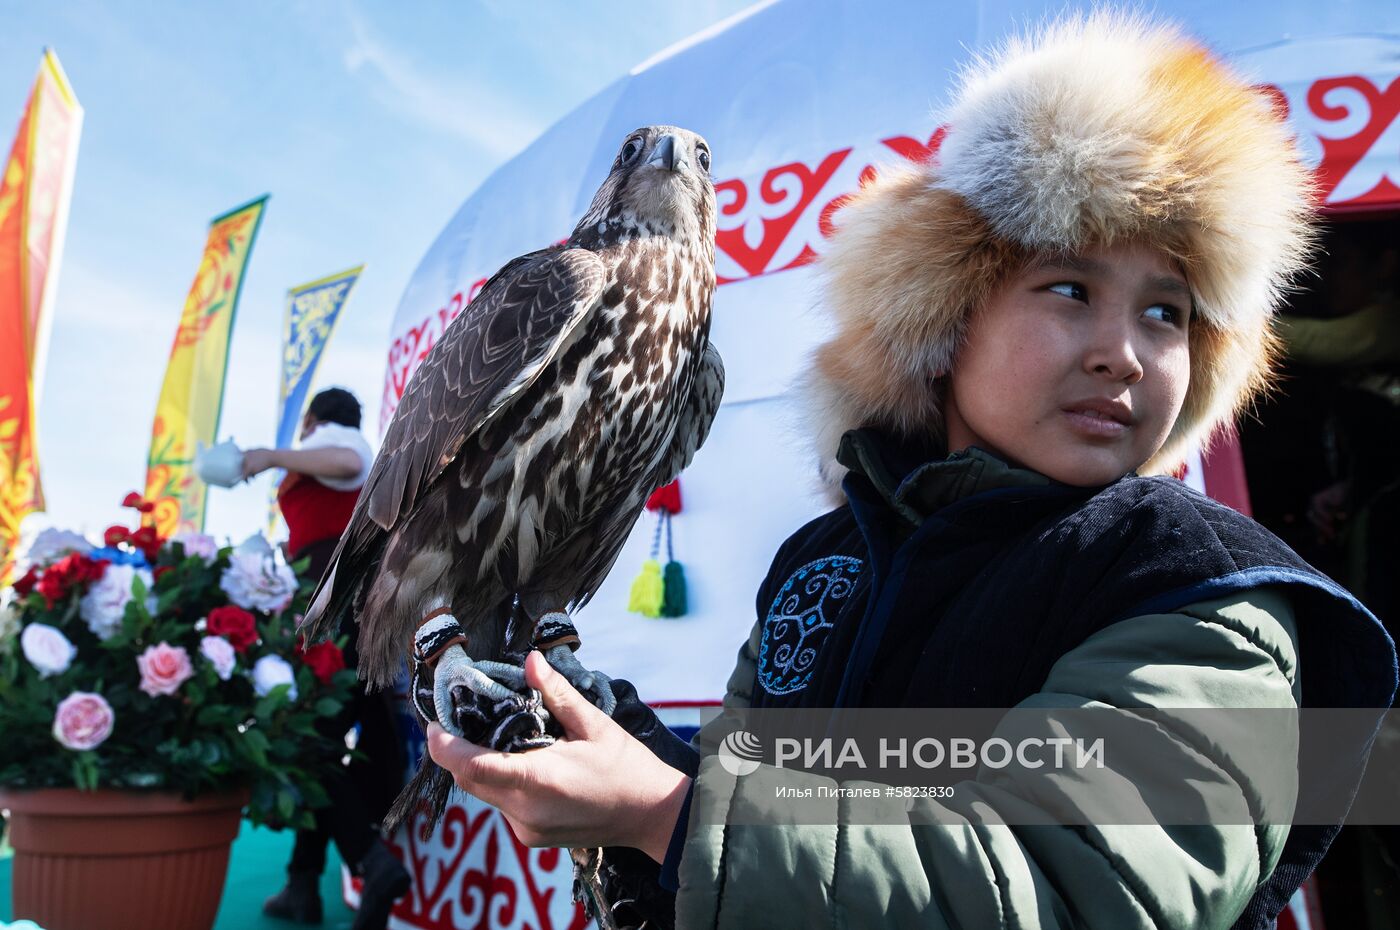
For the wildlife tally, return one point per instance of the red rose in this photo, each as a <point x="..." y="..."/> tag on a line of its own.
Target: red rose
<point x="76" y="565"/>
<point x="53" y="586"/>
<point x="115" y="535"/>
<point x="137" y="502"/>
<point x="324" y="659"/>
<point x="160" y="570"/>
<point x="234" y="624"/>
<point x="81" y="569"/>
<point x="148" y="541"/>
<point x="26" y="584"/>
<point x="68" y="573"/>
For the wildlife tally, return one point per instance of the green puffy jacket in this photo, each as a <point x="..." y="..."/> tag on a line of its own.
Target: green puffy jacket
<point x="1239" y="651"/>
<point x="1235" y="652"/>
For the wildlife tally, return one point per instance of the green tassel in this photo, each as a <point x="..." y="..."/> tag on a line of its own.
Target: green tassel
<point x="673" y="599"/>
<point x="647" y="590"/>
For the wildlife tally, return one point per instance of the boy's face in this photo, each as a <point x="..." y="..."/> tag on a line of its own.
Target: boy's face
<point x="1108" y="327"/>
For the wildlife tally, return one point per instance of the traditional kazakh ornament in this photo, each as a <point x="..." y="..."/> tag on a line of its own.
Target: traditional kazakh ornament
<point x="657" y="592"/>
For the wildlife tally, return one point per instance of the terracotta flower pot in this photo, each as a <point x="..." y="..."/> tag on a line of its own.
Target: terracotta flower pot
<point x="119" y="860"/>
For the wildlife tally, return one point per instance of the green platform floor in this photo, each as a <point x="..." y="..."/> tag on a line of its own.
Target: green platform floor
<point x="256" y="869"/>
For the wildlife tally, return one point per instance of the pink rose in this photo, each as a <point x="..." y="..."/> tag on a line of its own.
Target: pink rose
<point x="164" y="668"/>
<point x="83" y="721"/>
<point x="220" y="654"/>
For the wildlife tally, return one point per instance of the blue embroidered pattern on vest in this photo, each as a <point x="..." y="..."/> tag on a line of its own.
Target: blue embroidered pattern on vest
<point x="799" y="620"/>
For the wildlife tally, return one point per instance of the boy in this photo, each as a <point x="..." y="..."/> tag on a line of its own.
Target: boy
<point x="1076" y="291"/>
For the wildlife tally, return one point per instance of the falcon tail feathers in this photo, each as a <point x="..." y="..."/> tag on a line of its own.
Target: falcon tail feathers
<point x="430" y="788"/>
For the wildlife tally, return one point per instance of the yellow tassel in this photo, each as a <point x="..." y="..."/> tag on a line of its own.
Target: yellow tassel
<point x="647" y="590"/>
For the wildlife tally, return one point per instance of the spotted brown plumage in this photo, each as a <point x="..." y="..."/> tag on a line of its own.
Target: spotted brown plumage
<point x="520" y="456"/>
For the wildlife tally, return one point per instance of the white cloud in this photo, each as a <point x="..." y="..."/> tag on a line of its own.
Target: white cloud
<point x="476" y="113"/>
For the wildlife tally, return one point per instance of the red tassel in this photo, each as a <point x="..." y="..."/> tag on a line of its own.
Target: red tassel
<point x="666" y="498"/>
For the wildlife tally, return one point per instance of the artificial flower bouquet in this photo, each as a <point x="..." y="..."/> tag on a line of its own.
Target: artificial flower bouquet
<point x="168" y="664"/>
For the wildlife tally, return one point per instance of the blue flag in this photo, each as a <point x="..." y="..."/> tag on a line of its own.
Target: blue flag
<point x="312" y="312"/>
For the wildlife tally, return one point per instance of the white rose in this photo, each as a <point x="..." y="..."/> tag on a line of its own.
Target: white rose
<point x="271" y="671"/>
<point x="53" y="544"/>
<point x="258" y="582"/>
<point x="47" y="649"/>
<point x="105" y="602"/>
<point x="198" y="544"/>
<point x="220" y="654"/>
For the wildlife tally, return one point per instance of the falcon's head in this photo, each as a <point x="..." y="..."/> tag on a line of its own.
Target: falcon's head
<point x="660" y="184"/>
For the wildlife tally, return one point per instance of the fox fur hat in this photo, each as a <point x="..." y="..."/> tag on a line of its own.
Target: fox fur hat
<point x="1095" y="130"/>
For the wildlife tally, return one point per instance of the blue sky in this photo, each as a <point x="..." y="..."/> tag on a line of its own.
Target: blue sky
<point x="368" y="124"/>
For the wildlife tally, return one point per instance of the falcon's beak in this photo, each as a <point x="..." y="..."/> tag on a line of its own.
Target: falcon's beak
<point x="664" y="155"/>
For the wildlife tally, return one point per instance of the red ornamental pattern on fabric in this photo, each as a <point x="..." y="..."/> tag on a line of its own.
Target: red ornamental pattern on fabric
<point x="407" y="352"/>
<point x="1361" y="141"/>
<point x="473" y="872"/>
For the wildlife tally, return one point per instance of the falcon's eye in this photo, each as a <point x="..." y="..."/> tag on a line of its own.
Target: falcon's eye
<point x="702" y="155"/>
<point x="630" y="151"/>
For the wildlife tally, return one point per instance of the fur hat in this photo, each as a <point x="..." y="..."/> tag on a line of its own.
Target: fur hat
<point x="1097" y="130"/>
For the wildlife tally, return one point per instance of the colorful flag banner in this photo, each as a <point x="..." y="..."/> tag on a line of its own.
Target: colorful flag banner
<point x="312" y="311"/>
<point x="34" y="194"/>
<point x="191" y="399"/>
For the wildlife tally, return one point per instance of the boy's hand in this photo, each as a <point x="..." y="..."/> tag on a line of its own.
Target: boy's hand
<point x="598" y="786"/>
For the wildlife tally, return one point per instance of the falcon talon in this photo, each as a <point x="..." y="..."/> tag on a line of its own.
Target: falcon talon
<point x="455" y="668"/>
<point x="594" y="682"/>
<point x="512" y="676"/>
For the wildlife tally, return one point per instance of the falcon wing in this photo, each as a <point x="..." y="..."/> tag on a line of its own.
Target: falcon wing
<point x="519" y="322"/>
<point x="692" y="428"/>
<point x="510" y="332"/>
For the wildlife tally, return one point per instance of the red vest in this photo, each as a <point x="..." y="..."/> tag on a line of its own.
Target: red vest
<point x="313" y="511"/>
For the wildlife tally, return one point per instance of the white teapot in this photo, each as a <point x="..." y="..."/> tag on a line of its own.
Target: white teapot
<point x="220" y="465"/>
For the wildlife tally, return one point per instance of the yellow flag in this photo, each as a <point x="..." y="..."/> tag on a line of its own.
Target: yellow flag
<point x="34" y="189"/>
<point x="191" y="398"/>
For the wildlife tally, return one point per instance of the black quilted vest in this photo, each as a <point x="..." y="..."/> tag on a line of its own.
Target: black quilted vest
<point x="971" y="605"/>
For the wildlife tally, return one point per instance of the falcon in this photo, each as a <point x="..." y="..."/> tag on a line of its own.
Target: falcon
<point x="579" y="380"/>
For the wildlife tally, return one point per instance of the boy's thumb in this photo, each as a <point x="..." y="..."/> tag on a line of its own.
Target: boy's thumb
<point x="575" y="713"/>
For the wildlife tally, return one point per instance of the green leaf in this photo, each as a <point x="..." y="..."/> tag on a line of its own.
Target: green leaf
<point x="169" y="599"/>
<point x="268" y="705"/>
<point x="257" y="747"/>
<point x="85" y="773"/>
<point x="286" y="804"/>
<point x="78" y="775"/>
<point x="315" y="795"/>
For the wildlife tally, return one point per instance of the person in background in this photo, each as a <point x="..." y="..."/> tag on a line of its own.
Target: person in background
<point x="1358" y="345"/>
<point x="1351" y="343"/>
<point x="316" y="497"/>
